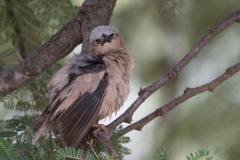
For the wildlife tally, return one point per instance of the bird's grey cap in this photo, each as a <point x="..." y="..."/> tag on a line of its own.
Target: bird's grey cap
<point x="98" y="31"/>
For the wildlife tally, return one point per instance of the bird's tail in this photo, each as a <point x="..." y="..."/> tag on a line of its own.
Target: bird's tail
<point x="40" y="132"/>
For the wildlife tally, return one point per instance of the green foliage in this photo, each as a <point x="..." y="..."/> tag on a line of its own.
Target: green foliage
<point x="201" y="154"/>
<point x="25" y="25"/>
<point x="68" y="152"/>
<point x="16" y="102"/>
<point x="10" y="128"/>
<point x="7" y="152"/>
<point x="16" y="131"/>
<point x="9" y="101"/>
<point x="118" y="143"/>
<point x="161" y="154"/>
<point x="172" y="6"/>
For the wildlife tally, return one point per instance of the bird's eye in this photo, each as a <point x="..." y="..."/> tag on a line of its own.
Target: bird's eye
<point x="97" y="41"/>
<point x="112" y="35"/>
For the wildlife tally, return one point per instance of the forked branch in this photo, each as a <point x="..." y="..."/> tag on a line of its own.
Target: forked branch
<point x="188" y="93"/>
<point x="171" y="75"/>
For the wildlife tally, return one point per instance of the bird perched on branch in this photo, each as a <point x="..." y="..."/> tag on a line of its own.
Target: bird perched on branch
<point x="89" y="88"/>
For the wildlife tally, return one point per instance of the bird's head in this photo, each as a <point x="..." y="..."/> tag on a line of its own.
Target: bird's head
<point x="104" y="39"/>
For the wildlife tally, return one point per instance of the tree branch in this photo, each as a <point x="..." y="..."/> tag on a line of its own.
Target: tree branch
<point x="188" y="93"/>
<point x="92" y="13"/>
<point x="174" y="72"/>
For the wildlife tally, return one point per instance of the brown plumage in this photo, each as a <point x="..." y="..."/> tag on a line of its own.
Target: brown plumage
<point x="89" y="88"/>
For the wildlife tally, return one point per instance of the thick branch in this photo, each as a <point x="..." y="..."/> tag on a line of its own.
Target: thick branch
<point x="174" y="72"/>
<point x="91" y="14"/>
<point x="188" y="93"/>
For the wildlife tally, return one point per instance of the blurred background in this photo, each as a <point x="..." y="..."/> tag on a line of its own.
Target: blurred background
<point x="158" y="34"/>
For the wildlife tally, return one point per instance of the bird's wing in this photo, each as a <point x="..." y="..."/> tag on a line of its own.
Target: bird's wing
<point x="80" y="64"/>
<point x="77" y="120"/>
<point x="78" y="102"/>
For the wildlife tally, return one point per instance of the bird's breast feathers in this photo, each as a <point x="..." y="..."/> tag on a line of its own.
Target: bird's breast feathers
<point x="118" y="69"/>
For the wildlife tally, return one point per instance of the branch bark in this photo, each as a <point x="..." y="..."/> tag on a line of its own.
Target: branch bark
<point x="188" y="93"/>
<point x="91" y="14"/>
<point x="174" y="72"/>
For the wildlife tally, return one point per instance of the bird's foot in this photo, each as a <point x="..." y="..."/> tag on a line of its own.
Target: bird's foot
<point x="98" y="127"/>
<point x="104" y="135"/>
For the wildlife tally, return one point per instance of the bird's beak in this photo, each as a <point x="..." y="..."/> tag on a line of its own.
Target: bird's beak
<point x="105" y="38"/>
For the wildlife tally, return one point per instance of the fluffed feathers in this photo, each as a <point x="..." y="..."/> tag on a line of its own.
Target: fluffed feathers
<point x="89" y="88"/>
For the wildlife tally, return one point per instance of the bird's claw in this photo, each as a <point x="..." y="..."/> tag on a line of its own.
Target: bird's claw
<point x="99" y="127"/>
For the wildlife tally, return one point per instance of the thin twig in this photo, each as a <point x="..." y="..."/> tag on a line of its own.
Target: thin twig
<point x="174" y="72"/>
<point x="188" y="93"/>
<point x="93" y="151"/>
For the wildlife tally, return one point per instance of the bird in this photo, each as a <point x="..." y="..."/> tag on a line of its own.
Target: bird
<point x="90" y="87"/>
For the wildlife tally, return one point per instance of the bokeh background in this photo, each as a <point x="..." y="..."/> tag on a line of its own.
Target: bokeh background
<point x="158" y="34"/>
